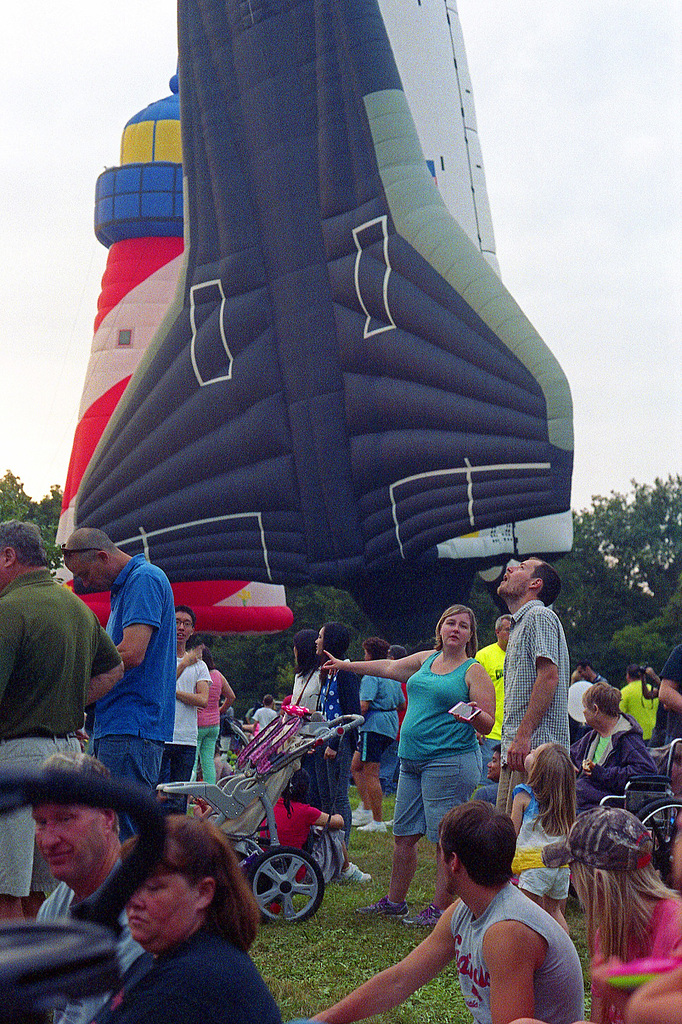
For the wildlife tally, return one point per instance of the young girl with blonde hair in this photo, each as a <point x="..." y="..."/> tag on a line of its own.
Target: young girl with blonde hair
<point x="543" y="811"/>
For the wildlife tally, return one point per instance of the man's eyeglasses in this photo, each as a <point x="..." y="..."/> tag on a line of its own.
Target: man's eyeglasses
<point x="75" y="551"/>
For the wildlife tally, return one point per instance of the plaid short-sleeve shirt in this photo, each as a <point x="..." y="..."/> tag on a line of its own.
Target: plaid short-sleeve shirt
<point x="536" y="632"/>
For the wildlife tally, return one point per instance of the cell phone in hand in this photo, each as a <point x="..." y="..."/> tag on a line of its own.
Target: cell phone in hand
<point x="463" y="710"/>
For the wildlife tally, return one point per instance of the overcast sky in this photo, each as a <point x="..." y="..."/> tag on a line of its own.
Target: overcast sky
<point x="579" y="112"/>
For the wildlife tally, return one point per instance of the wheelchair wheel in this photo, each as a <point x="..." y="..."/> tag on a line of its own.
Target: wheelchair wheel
<point x="660" y="817"/>
<point x="287" y="883"/>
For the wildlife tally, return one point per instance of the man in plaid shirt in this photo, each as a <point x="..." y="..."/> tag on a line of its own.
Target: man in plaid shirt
<point x="536" y="671"/>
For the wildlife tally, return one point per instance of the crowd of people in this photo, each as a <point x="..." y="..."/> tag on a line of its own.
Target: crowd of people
<point x="484" y="769"/>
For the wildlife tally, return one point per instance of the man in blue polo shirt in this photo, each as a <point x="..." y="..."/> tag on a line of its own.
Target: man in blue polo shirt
<point x="136" y="718"/>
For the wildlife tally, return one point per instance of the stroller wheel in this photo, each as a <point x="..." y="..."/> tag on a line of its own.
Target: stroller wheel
<point x="287" y="883"/>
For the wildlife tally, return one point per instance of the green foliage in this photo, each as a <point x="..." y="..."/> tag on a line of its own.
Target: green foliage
<point x="621" y="578"/>
<point x="642" y="534"/>
<point x="649" y="643"/>
<point x="485" y="610"/>
<point x="16" y="504"/>
<point x="643" y="645"/>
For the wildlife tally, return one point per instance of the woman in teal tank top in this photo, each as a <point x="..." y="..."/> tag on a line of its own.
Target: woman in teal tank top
<point x="440" y="761"/>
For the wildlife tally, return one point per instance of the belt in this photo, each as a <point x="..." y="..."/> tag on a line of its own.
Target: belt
<point x="40" y="734"/>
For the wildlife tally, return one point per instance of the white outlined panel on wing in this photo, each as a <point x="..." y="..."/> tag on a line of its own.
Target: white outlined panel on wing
<point x="467" y="471"/>
<point x="369" y="230"/>
<point x="145" y="535"/>
<point x="195" y="345"/>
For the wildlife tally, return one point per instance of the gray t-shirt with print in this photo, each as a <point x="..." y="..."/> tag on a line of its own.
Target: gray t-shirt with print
<point x="558" y="983"/>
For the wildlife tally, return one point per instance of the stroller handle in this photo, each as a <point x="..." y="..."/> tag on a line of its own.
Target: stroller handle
<point x="344" y="723"/>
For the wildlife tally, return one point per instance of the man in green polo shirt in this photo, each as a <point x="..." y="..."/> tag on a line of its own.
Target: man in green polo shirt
<point x="54" y="658"/>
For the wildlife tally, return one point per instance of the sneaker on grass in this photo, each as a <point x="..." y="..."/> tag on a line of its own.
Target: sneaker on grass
<point x="384" y="908"/>
<point x="360" y="816"/>
<point x="373" y="826"/>
<point x="354" y="874"/>
<point x="426" y="918"/>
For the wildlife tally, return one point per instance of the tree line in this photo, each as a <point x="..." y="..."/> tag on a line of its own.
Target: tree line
<point x="620" y="602"/>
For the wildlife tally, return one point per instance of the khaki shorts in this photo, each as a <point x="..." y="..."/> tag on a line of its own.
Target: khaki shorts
<point x="22" y="868"/>
<point x="505" y="789"/>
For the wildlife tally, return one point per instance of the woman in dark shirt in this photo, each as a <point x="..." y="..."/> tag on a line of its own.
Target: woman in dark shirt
<point x="197" y="917"/>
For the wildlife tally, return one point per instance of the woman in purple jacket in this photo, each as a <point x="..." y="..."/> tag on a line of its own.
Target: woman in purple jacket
<point x="611" y="752"/>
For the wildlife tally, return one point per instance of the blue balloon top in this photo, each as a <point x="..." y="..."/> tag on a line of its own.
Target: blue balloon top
<point x="167" y="109"/>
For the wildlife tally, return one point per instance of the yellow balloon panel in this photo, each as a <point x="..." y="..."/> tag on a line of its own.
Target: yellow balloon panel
<point x="168" y="142"/>
<point x="137" y="144"/>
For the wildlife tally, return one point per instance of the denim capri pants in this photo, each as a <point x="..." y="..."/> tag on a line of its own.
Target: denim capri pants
<point x="427" y="790"/>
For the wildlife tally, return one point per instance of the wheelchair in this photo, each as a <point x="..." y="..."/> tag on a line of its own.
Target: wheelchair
<point x="651" y="799"/>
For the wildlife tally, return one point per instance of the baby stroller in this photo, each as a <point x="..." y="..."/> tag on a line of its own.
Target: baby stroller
<point x="287" y="882"/>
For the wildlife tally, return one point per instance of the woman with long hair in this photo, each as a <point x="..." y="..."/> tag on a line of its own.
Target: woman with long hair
<point x="306" y="692"/>
<point x="660" y="1001"/>
<point x="629" y="912"/>
<point x="197" y="917"/>
<point x="339" y="695"/>
<point x="440" y="759"/>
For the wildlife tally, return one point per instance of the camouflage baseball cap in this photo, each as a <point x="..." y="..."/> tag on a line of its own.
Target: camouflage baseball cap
<point x="603" y="837"/>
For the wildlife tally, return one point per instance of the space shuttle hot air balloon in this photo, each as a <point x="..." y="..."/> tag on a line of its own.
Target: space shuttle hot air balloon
<point x="342" y="391"/>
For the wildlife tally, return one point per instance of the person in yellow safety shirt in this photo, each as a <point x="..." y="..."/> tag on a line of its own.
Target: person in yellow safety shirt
<point x="639" y="697"/>
<point x="492" y="659"/>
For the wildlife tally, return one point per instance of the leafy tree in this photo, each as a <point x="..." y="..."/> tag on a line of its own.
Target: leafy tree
<point x="16" y="504"/>
<point x="650" y="642"/>
<point x="486" y="611"/>
<point x="622" y="572"/>
<point x="641" y="534"/>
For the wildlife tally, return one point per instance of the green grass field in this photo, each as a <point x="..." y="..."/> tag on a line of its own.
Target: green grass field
<point x="311" y="965"/>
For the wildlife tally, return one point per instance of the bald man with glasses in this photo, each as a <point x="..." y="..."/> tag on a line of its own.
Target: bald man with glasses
<point x="135" y="719"/>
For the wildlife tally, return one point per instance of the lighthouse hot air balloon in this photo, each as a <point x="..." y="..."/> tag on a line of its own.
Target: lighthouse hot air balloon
<point x="139" y="217"/>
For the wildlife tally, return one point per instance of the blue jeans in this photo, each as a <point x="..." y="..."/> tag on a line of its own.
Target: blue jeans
<point x="388" y="772"/>
<point x="333" y="780"/>
<point x="133" y="758"/>
<point x="176" y="766"/>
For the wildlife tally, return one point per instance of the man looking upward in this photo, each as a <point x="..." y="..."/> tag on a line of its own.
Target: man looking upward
<point x="536" y="671"/>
